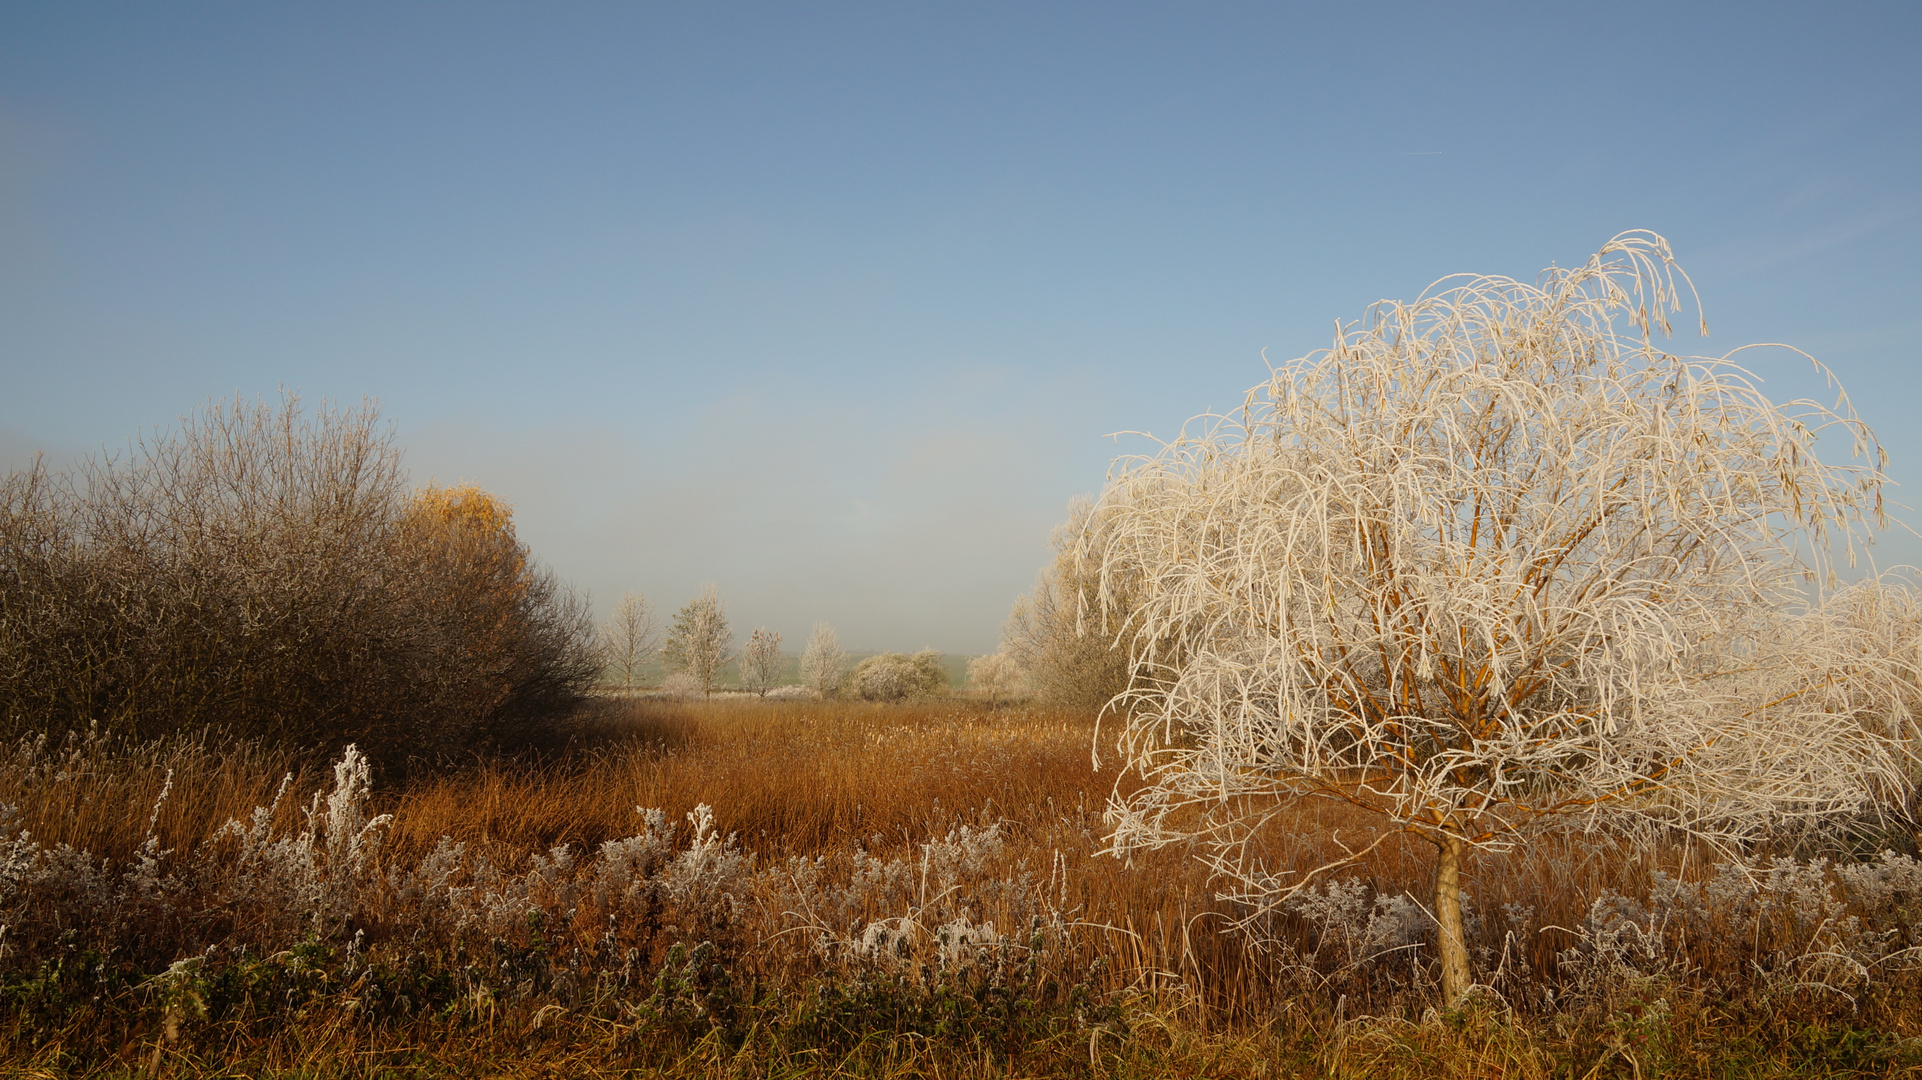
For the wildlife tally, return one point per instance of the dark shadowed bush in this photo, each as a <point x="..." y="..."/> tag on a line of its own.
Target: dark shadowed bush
<point x="267" y="572"/>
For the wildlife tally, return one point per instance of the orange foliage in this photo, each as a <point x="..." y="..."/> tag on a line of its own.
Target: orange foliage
<point x="508" y="632"/>
<point x="464" y="504"/>
<point x="468" y="514"/>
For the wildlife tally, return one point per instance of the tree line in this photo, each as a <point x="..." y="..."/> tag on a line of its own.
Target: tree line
<point x="698" y="644"/>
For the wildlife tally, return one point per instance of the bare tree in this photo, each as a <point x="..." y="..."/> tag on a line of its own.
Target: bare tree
<point x="761" y="661"/>
<point x="1495" y="563"/>
<point x="1066" y="643"/>
<point x="628" y="637"/>
<point x="996" y="675"/>
<point x="823" y="663"/>
<point x="699" y="643"/>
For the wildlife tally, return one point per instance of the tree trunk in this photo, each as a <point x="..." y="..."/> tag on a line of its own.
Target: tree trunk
<point x="1448" y="914"/>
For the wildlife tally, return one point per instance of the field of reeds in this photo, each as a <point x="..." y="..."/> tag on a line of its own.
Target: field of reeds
<point x="759" y="888"/>
<point x="848" y="888"/>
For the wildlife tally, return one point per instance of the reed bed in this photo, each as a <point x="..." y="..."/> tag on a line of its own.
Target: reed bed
<point x="862" y="889"/>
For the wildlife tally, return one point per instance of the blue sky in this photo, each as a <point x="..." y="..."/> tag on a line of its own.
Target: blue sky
<point x="835" y="306"/>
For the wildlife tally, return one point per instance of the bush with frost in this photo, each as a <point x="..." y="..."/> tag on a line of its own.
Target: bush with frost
<point x="996" y="675"/>
<point x="681" y="685"/>
<point x="898" y="676"/>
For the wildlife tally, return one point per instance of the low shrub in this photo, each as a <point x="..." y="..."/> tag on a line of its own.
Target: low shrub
<point x="898" y="677"/>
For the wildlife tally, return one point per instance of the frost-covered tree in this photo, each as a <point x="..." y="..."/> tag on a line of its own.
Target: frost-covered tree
<point x="996" y="675"/>
<point x="628" y="636"/>
<point x="761" y="661"/>
<point x="1496" y="563"/>
<point x="699" y="643"/>
<point x="1067" y="645"/>
<point x="823" y="663"/>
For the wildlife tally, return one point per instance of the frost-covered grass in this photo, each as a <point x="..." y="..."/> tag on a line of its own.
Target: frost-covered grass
<point x="744" y="887"/>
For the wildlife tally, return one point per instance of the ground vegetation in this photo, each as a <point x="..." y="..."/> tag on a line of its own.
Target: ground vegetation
<point x="742" y="887"/>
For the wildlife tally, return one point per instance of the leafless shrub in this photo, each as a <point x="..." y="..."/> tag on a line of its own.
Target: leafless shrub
<point x="267" y="572"/>
<point x="512" y="648"/>
<point x="1491" y="565"/>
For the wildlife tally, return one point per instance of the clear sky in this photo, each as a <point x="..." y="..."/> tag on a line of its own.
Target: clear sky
<point x="835" y="305"/>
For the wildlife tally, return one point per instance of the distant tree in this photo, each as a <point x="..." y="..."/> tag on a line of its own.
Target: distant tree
<point x="628" y="637"/>
<point x="824" y="663"/>
<point x="761" y="661"/>
<point x="1071" y="648"/>
<point x="699" y="643"/>
<point x="899" y="677"/>
<point x="996" y="675"/>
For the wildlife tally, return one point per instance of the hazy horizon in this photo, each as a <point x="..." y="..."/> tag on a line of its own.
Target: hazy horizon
<point x="835" y="308"/>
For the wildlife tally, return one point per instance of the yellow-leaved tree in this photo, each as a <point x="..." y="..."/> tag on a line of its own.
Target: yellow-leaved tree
<point x="511" y="646"/>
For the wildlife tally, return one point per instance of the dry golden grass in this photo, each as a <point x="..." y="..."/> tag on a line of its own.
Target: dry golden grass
<point x="99" y="795"/>
<point x="828" y="778"/>
<point x="816" y="778"/>
<point x="790" y="778"/>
